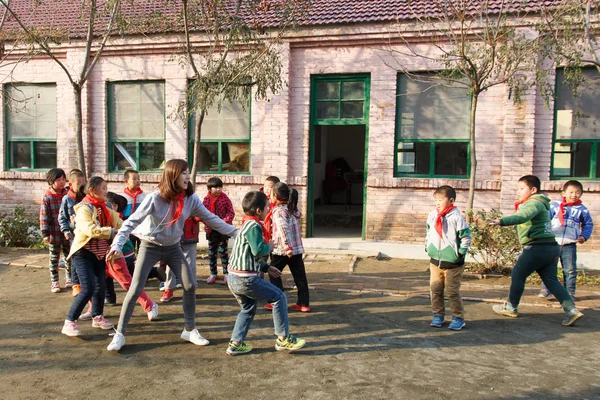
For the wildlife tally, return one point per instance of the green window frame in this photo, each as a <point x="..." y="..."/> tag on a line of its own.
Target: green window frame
<point x="136" y="125"/>
<point x="576" y="133"/>
<point x="432" y="128"/>
<point x="30" y="126"/>
<point x="225" y="140"/>
<point x="341" y="100"/>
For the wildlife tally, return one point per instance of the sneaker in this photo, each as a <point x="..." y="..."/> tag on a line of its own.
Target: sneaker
<point x="166" y="296"/>
<point x="86" y="316"/>
<point x="68" y="284"/>
<point x="110" y="302"/>
<point x="235" y="349"/>
<point x="194" y="337"/>
<point x="178" y="284"/>
<point x="76" y="289"/>
<point x="117" y="342"/>
<point x="544" y="294"/>
<point x="211" y="279"/>
<point x="55" y="287"/>
<point x="300" y="308"/>
<point x="153" y="313"/>
<point x="437" y="321"/>
<point x="290" y="343"/>
<point x="457" y="324"/>
<point x="269" y="306"/>
<point x="161" y="286"/>
<point x="571" y="317"/>
<point x="100" y="322"/>
<point x="506" y="310"/>
<point x="70" y="328"/>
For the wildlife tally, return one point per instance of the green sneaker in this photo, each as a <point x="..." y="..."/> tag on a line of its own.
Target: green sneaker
<point x="235" y="349"/>
<point x="571" y="317"/>
<point x="290" y="343"/>
<point x="506" y="310"/>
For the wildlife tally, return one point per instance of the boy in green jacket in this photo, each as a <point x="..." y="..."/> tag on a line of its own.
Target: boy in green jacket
<point x="540" y="250"/>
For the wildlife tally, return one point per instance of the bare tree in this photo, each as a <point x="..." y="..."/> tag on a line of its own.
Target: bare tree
<point x="237" y="54"/>
<point x="47" y="40"/>
<point x="473" y="44"/>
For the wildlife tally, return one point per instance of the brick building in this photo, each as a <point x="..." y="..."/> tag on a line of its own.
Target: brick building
<point x="338" y="131"/>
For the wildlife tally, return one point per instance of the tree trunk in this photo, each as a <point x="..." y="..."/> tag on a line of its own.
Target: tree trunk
<point x="79" y="129"/>
<point x="197" y="156"/>
<point x="471" y="198"/>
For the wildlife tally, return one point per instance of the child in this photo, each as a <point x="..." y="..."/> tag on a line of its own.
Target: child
<point x="133" y="193"/>
<point x="287" y="241"/>
<point x="95" y="225"/>
<point x="540" y="250"/>
<point x="189" y="242"/>
<point x="66" y="217"/>
<point x="158" y="222"/>
<point x="446" y="245"/>
<point x="50" y="226"/>
<point x="219" y="204"/>
<point x="268" y="185"/>
<point x="246" y="284"/>
<point x="571" y="224"/>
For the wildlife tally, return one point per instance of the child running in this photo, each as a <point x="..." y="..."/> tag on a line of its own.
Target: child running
<point x="217" y="202"/>
<point x="66" y="217"/>
<point x="446" y="245"/>
<point x="159" y="222"/>
<point x="95" y="225"/>
<point x="246" y="284"/>
<point x="572" y="224"/>
<point x="50" y="226"/>
<point x="540" y="250"/>
<point x="287" y="240"/>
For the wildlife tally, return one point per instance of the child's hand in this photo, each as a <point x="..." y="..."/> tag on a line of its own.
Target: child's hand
<point x="46" y="240"/>
<point x="580" y="240"/>
<point x="494" y="222"/>
<point x="69" y="236"/>
<point x="274" y="272"/>
<point x="112" y="254"/>
<point x="289" y="253"/>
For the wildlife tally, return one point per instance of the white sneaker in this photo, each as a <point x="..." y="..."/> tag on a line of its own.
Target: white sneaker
<point x="117" y="342"/>
<point x="70" y="328"/>
<point x="153" y="313"/>
<point x="194" y="337"/>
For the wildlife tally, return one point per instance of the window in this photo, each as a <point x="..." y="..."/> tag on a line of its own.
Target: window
<point x="432" y="128"/>
<point x="340" y="98"/>
<point x="576" y="146"/>
<point x="224" y="140"/>
<point x="31" y="126"/>
<point x="136" y="125"/>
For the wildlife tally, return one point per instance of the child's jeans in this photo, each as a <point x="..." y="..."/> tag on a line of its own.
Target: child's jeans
<point x="296" y="265"/>
<point x="450" y="279"/>
<point x="247" y="290"/>
<point x="55" y="250"/>
<point x="568" y="261"/>
<point x="189" y="251"/>
<point x="543" y="259"/>
<point x="119" y="272"/>
<point x="74" y="277"/>
<point x="92" y="277"/>
<point x="219" y="247"/>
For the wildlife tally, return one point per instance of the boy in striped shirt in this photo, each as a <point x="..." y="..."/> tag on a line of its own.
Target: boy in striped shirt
<point x="246" y="284"/>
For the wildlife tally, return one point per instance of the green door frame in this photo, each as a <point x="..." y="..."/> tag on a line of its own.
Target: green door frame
<point x="314" y="121"/>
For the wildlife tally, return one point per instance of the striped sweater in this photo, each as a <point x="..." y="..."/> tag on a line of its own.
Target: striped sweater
<point x="248" y="246"/>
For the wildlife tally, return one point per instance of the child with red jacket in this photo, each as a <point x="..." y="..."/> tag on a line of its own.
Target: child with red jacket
<point x="219" y="204"/>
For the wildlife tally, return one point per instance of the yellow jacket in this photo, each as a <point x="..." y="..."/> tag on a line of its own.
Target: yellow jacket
<point x="88" y="227"/>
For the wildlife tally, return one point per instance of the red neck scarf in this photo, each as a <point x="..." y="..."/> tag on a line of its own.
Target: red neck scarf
<point x="72" y="194"/>
<point x="266" y="234"/>
<point x="179" y="198"/>
<point x="438" y="221"/>
<point x="562" y="211"/>
<point x="104" y="216"/>
<point x="518" y="203"/>
<point x="51" y="192"/>
<point x="213" y="201"/>
<point x="133" y="195"/>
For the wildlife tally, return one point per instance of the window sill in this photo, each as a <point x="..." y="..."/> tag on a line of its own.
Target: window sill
<point x="431" y="183"/>
<point x="557" y="185"/>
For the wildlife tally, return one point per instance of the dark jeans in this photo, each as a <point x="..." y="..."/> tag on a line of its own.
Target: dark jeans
<point x="296" y="264"/>
<point x="110" y="296"/>
<point x="568" y="261"/>
<point x="543" y="259"/>
<point x="92" y="278"/>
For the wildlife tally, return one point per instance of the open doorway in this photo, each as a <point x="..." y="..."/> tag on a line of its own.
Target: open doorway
<point x="339" y="161"/>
